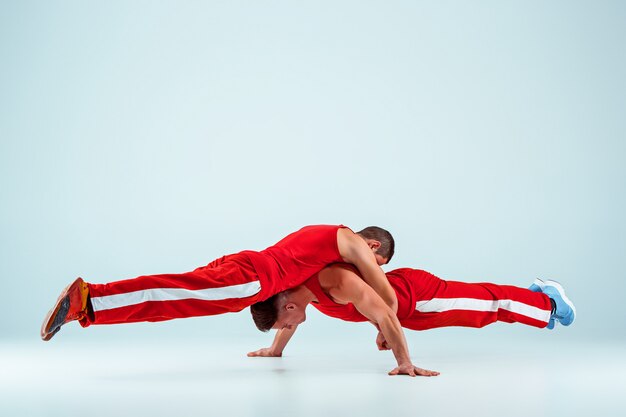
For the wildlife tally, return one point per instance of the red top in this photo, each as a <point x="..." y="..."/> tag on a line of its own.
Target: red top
<point x="295" y="258"/>
<point x="409" y="285"/>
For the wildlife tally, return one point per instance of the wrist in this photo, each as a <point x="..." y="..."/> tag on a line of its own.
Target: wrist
<point x="405" y="363"/>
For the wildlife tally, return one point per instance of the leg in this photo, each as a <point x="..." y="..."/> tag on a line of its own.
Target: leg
<point x="229" y="286"/>
<point x="477" y="305"/>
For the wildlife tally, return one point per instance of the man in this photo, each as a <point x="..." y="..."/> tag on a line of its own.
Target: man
<point x="228" y="284"/>
<point x="425" y="302"/>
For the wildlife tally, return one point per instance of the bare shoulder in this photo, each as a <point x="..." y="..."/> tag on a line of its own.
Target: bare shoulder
<point x="341" y="281"/>
<point x="337" y="273"/>
<point x="331" y="275"/>
<point x="350" y="244"/>
<point x="345" y="236"/>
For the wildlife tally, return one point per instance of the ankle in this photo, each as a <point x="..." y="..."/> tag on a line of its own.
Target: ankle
<point x="553" y="306"/>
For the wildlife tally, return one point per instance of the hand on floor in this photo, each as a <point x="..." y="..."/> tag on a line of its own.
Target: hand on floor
<point x="265" y="352"/>
<point x="411" y="370"/>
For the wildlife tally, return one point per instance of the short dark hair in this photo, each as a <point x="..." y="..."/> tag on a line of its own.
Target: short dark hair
<point x="387" y="244"/>
<point x="265" y="313"/>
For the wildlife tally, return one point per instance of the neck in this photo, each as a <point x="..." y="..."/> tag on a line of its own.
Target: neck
<point x="302" y="295"/>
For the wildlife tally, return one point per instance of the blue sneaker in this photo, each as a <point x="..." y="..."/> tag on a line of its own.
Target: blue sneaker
<point x="537" y="285"/>
<point x="565" y="311"/>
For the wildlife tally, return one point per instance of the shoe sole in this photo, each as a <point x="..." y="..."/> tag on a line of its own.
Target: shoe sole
<point x="49" y="335"/>
<point x="47" y="332"/>
<point x="561" y="292"/>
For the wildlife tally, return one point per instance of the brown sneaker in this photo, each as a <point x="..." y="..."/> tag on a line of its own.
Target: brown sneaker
<point x="71" y="305"/>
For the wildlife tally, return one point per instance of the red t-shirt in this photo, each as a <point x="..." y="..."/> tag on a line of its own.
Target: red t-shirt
<point x="295" y="258"/>
<point x="409" y="285"/>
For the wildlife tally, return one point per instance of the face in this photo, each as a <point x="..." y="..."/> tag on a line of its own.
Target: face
<point x="289" y="316"/>
<point x="380" y="260"/>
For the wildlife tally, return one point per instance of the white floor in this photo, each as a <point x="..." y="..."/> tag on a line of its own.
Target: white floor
<point x="205" y="378"/>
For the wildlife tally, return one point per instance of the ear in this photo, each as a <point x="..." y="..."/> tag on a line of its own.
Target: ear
<point x="373" y="244"/>
<point x="290" y="306"/>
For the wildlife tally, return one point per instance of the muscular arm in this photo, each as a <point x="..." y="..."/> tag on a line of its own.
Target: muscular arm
<point x="346" y="286"/>
<point x="281" y="339"/>
<point x="354" y="250"/>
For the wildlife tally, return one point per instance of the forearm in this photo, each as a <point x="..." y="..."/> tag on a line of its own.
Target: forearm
<point x="389" y="297"/>
<point x="392" y="330"/>
<point x="281" y="339"/>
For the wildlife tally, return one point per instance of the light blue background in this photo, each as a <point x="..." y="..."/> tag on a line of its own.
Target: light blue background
<point x="149" y="137"/>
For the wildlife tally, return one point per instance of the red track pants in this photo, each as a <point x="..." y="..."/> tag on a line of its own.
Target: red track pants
<point x="442" y="303"/>
<point x="228" y="284"/>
